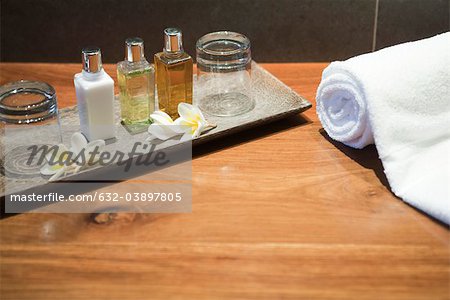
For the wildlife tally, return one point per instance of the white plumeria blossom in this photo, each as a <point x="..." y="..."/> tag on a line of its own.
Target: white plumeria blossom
<point x="162" y="127"/>
<point x="72" y="161"/>
<point x="190" y="124"/>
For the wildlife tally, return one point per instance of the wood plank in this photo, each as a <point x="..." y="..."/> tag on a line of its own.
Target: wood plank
<point x="280" y="212"/>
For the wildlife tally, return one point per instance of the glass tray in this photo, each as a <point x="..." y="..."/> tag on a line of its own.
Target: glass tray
<point x="274" y="100"/>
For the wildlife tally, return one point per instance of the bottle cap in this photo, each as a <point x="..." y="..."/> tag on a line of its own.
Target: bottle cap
<point x="92" y="59"/>
<point x="173" y="41"/>
<point x="134" y="49"/>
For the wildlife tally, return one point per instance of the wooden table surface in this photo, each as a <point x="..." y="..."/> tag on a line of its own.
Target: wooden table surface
<point x="279" y="212"/>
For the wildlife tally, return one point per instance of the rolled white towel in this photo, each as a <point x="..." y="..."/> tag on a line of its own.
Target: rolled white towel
<point x="397" y="98"/>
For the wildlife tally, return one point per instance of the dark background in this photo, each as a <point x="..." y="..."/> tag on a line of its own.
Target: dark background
<point x="280" y="30"/>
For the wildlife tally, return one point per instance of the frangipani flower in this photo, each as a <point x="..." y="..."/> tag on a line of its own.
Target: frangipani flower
<point x="69" y="161"/>
<point x="162" y="127"/>
<point x="191" y="121"/>
<point x="190" y="124"/>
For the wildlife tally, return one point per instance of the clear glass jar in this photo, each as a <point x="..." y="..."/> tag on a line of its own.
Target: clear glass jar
<point x="28" y="117"/>
<point x="224" y="84"/>
<point x="28" y="102"/>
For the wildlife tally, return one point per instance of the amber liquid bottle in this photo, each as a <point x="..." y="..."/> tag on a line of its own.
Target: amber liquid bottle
<point x="173" y="71"/>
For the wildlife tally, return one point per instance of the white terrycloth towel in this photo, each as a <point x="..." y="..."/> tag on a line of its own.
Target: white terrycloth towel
<point x="397" y="98"/>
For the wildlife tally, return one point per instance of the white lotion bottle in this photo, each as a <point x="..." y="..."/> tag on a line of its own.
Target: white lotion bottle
<point x="95" y="97"/>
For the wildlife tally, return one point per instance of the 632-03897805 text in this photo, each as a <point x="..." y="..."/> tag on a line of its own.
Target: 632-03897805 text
<point x="97" y="196"/>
